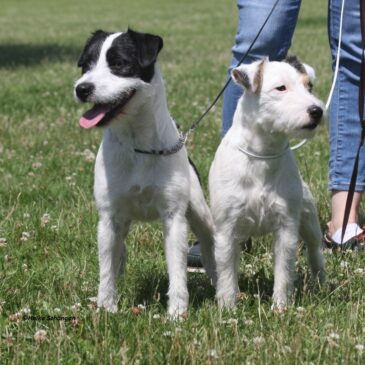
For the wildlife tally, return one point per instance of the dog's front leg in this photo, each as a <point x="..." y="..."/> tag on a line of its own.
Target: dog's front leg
<point x="227" y="256"/>
<point x="285" y="249"/>
<point x="176" y="248"/>
<point x="112" y="257"/>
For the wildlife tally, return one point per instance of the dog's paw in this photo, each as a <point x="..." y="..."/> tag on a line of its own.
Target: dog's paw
<point x="280" y="305"/>
<point x="227" y="301"/>
<point x="177" y="308"/>
<point x="109" y="303"/>
<point x="176" y="315"/>
<point x="112" y="308"/>
<point x="279" y="308"/>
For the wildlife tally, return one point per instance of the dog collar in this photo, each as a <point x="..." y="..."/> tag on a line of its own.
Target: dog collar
<point x="264" y="157"/>
<point x="169" y="151"/>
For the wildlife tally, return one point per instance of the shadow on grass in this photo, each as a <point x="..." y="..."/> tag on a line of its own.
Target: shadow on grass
<point x="17" y="55"/>
<point x="152" y="288"/>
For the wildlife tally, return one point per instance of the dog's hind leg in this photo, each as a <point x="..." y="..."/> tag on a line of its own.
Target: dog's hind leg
<point x="176" y="249"/>
<point x="112" y="258"/>
<point x="310" y="232"/>
<point x="201" y="223"/>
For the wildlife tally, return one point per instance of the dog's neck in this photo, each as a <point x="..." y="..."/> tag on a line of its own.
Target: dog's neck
<point x="249" y="136"/>
<point x="150" y="126"/>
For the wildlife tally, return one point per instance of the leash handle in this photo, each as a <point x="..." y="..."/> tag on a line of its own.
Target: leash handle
<point x="361" y="100"/>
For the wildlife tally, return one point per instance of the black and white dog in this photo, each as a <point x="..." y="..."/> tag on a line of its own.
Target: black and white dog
<point x="121" y="78"/>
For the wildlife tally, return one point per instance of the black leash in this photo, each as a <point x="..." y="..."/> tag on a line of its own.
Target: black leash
<point x="361" y="100"/>
<point x="184" y="136"/>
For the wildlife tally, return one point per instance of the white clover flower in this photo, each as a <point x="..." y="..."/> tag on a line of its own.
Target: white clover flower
<point x="360" y="348"/>
<point x="258" y="341"/>
<point x="156" y="316"/>
<point x="40" y="336"/>
<point x="249" y="270"/>
<point x="213" y="353"/>
<point x="76" y="307"/>
<point x="142" y="307"/>
<point x="25" y="310"/>
<point x="88" y="155"/>
<point x="360" y="271"/>
<point x="167" y="334"/>
<point x="334" y="336"/>
<point x="25" y="236"/>
<point x="45" y="219"/>
<point x="3" y="242"/>
<point x="196" y="342"/>
<point x="37" y="165"/>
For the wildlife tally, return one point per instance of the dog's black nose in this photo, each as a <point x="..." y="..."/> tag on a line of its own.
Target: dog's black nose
<point x="84" y="90"/>
<point x="315" y="113"/>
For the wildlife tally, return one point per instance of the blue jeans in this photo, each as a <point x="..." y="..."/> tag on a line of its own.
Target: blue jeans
<point x="344" y="118"/>
<point x="274" y="41"/>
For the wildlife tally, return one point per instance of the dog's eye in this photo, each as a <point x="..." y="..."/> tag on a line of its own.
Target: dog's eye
<point x="281" y="88"/>
<point x="117" y="65"/>
<point x="85" y="67"/>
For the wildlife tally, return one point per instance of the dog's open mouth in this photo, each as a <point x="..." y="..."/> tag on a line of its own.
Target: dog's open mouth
<point x="100" y="114"/>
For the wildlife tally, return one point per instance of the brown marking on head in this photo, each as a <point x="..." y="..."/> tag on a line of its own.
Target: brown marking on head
<point x="296" y="63"/>
<point x="299" y="67"/>
<point x="259" y="76"/>
<point x="242" y="78"/>
<point x="306" y="82"/>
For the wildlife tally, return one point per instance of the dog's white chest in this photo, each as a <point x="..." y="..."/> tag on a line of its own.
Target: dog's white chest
<point x="142" y="202"/>
<point x="121" y="182"/>
<point x="261" y="210"/>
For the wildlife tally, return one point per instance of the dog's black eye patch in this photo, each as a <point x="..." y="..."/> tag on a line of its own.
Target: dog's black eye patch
<point x="122" y="62"/>
<point x="134" y="54"/>
<point x="91" y="51"/>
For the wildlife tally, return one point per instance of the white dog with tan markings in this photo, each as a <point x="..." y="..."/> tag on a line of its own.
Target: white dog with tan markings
<point x="255" y="186"/>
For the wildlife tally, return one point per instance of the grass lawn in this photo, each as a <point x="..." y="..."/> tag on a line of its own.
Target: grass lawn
<point x="48" y="255"/>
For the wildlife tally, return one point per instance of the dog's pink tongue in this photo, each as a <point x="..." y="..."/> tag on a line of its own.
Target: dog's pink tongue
<point x="93" y="116"/>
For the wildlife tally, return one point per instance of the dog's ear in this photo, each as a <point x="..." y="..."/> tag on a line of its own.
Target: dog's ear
<point x="302" y="68"/>
<point x="148" y="47"/>
<point x="310" y="72"/>
<point x="249" y="76"/>
<point x="307" y="72"/>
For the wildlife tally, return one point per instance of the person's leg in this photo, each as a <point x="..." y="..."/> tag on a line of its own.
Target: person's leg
<point x="338" y="203"/>
<point x="345" y="126"/>
<point x="273" y="42"/>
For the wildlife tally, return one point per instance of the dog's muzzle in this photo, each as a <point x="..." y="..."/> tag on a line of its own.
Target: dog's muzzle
<point x="315" y="114"/>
